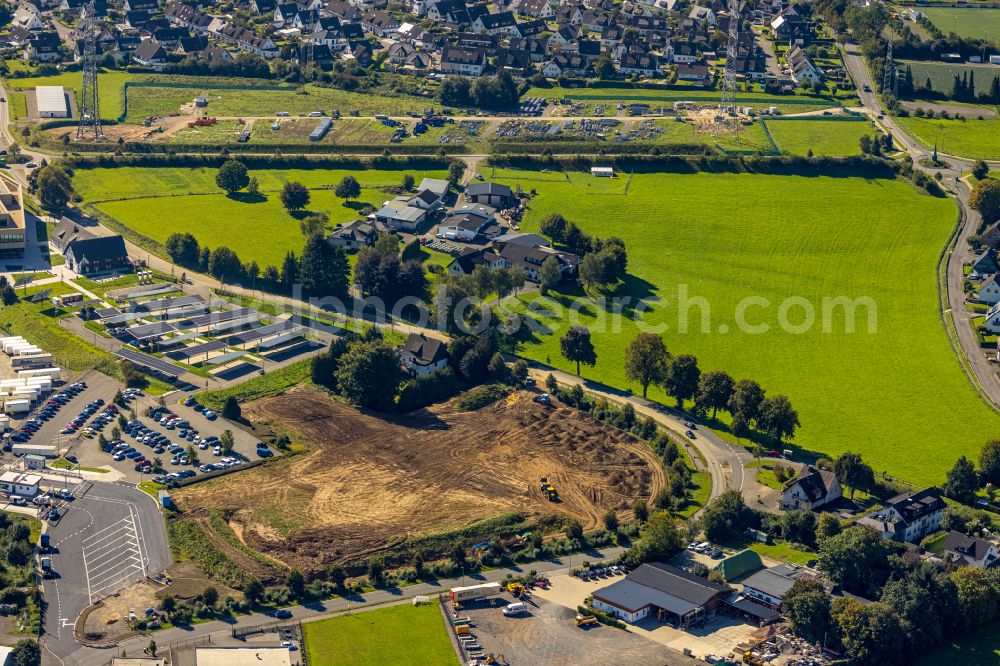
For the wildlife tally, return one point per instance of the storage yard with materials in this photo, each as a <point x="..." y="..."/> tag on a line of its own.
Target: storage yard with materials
<point x="371" y="482"/>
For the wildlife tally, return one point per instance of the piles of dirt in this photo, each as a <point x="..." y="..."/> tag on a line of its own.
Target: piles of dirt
<point x="371" y="481"/>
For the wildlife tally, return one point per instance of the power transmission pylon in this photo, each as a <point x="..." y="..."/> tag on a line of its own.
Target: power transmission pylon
<point x="727" y="106"/>
<point x="90" y="116"/>
<point x="889" y="75"/>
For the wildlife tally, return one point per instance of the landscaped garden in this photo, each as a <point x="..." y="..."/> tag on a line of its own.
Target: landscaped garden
<point x="257" y="228"/>
<point x="722" y="238"/>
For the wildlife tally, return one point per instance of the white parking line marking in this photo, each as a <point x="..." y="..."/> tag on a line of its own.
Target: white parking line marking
<point x="113" y="557"/>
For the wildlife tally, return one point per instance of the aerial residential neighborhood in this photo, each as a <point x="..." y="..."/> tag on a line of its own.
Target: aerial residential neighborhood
<point x="652" y="332"/>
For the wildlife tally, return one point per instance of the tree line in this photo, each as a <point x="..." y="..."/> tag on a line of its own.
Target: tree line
<point x="604" y="262"/>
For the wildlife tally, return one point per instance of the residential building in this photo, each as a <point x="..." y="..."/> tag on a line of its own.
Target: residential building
<point x="65" y="232"/>
<point x="27" y="16"/>
<point x="969" y="551"/>
<point x="908" y="517"/>
<point x="989" y="290"/>
<point x="702" y="14"/>
<point x="421" y="355"/>
<point x="986" y="263"/>
<point x="150" y="54"/>
<point x="992" y="322"/>
<point x="801" y="67"/>
<point x="399" y="215"/>
<point x="811" y="489"/>
<point x="501" y="23"/>
<point x="43" y="46"/>
<point x="469" y="222"/>
<point x="662" y="591"/>
<point x="769" y="586"/>
<point x="463" y="60"/>
<point x="12" y="241"/>
<point x="356" y="235"/>
<point x="102" y="254"/>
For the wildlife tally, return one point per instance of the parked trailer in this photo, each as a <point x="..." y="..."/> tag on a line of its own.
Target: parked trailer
<point x="31" y="361"/>
<point x="10" y="343"/>
<point x="16" y="406"/>
<point x="51" y="372"/>
<point x="474" y="592"/>
<point x="47" y="450"/>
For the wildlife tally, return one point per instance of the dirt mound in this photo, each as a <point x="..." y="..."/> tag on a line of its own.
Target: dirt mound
<point x="373" y="481"/>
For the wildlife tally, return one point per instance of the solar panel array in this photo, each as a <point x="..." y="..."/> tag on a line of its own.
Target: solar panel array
<point x="281" y="339"/>
<point x="226" y="358"/>
<point x="203" y="348"/>
<point x="217" y="317"/>
<point x="262" y="332"/>
<point x="146" y="331"/>
<point x="40" y="296"/>
<point x="105" y="313"/>
<point x="151" y="362"/>
<point x="169" y="302"/>
<point x="122" y="318"/>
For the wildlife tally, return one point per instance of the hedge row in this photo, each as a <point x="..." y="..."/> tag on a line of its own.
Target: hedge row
<point x="250" y="147"/>
<point x="420" y="162"/>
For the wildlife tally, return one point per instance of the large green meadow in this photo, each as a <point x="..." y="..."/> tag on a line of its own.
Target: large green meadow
<point x="894" y="392"/>
<point x="942" y="74"/>
<point x="822" y="137"/>
<point x="983" y="23"/>
<point x="158" y="201"/>
<point x="964" y="138"/>
<point x="400" y="634"/>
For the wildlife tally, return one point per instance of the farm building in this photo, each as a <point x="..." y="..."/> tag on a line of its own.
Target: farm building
<point x="768" y="586"/>
<point x="662" y="591"/>
<point x="490" y="194"/>
<point x="602" y="172"/>
<point x="739" y="564"/>
<point x="51" y="102"/>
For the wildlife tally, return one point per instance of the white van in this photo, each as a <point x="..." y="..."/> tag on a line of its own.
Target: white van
<point x="515" y="609"/>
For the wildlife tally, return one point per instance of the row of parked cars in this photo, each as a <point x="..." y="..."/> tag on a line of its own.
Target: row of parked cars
<point x="706" y="548"/>
<point x="84" y="414"/>
<point x="47" y="412"/>
<point x="602" y="572"/>
<point x="193" y="403"/>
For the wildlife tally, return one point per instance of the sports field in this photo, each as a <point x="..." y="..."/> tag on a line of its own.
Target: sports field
<point x="726" y="237"/>
<point x="255" y="229"/>
<point x="401" y="634"/>
<point x="972" y="23"/>
<point x="942" y="74"/>
<point x="964" y="138"/>
<point x="823" y="137"/>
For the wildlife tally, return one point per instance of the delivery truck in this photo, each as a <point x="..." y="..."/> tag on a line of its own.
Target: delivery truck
<point x="474" y="592"/>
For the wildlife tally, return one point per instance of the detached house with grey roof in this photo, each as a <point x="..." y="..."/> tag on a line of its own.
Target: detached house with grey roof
<point x="811" y="489"/>
<point x="908" y="517"/>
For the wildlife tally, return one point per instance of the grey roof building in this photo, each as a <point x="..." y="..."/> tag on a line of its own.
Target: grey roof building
<point x="663" y="591"/>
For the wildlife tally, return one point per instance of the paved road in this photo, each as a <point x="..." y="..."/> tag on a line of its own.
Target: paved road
<point x="322" y="609"/>
<point x="985" y="373"/>
<point x="110" y="536"/>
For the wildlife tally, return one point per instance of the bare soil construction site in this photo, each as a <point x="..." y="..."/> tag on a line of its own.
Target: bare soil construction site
<point x="370" y="481"/>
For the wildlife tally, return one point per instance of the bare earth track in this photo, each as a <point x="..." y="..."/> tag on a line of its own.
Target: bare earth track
<point x="373" y="481"/>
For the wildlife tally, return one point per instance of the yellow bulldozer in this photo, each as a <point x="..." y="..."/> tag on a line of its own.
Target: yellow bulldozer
<point x="548" y="489"/>
<point x="516" y="589"/>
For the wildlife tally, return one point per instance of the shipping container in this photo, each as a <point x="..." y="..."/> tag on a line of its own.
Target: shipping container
<point x="472" y="592"/>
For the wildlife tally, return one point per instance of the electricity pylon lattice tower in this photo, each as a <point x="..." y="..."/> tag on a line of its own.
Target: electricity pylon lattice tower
<point x="90" y="116"/>
<point x="727" y="106"/>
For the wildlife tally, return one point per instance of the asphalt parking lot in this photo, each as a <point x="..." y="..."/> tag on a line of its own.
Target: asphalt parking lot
<point x="90" y="455"/>
<point x="548" y="635"/>
<point x="110" y="536"/>
<point x="98" y="386"/>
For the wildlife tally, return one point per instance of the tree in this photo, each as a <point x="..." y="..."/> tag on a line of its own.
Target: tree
<point x="646" y="360"/>
<point x="7" y="294"/>
<point x="659" y="540"/>
<point x="294" y="196"/>
<point x="715" y="389"/>
<point x="183" y="249"/>
<point x="978" y="592"/>
<point x="151" y="648"/>
<point x="254" y="592"/>
<point x="640" y="510"/>
<point x="683" y="376"/>
<point x="872" y="635"/>
<point x="989" y="462"/>
<point x="726" y="518"/>
<point x="324" y="269"/>
<point x="454" y="90"/>
<point x="807" y="606"/>
<point x="455" y="172"/>
<point x="852" y="559"/>
<point x="226" y="441"/>
<point x="231" y="409"/>
<point x="604" y="67"/>
<point x="54" y="187"/>
<point x="253" y="187"/>
<point x="576" y="346"/>
<point x="296" y="583"/>
<point x="210" y="596"/>
<point x="574" y="530"/>
<point x="985" y="198"/>
<point x="611" y="520"/>
<point x="777" y="417"/>
<point x="550" y="274"/>
<point x="224" y="265"/>
<point x="926" y="600"/>
<point x="369" y="373"/>
<point x="962" y="481"/>
<point x="553" y="225"/>
<point x="408" y="182"/>
<point x="827" y="526"/>
<point x="980" y="170"/>
<point x="26" y="653"/>
<point x="348" y="188"/>
<point x="313" y="225"/>
<point x="853" y="473"/>
<point x="168" y="604"/>
<point x="289" y="269"/>
<point x="746" y="401"/>
<point x="232" y="176"/>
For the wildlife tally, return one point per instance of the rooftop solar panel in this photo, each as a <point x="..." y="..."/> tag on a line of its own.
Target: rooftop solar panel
<point x="151" y="362"/>
<point x="108" y="312"/>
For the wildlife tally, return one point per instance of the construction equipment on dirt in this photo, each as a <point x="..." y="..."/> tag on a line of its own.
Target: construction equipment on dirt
<point x="203" y="121"/>
<point x="543" y="399"/>
<point x="548" y="489"/>
<point x="516" y="589"/>
<point x="584" y="620"/>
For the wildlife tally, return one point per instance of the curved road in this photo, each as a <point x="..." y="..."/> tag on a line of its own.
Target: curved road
<point x="985" y="375"/>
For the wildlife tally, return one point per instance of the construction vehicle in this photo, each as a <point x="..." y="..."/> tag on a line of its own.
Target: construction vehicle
<point x="584" y="620"/>
<point x="516" y="589"/>
<point x="748" y="658"/>
<point x="463" y="629"/>
<point x="543" y="399"/>
<point x="548" y="489"/>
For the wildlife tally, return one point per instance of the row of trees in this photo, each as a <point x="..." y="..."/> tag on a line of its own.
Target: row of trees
<point x="649" y="363"/>
<point x="322" y="270"/>
<point x="605" y="262"/>
<point x="382" y="271"/>
<point x="495" y="93"/>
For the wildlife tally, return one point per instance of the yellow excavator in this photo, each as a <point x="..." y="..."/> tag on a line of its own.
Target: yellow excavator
<point x="548" y="489"/>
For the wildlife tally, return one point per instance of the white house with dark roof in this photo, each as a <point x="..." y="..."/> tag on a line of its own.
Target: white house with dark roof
<point x="969" y="551"/>
<point x="421" y="355"/>
<point x="908" y="517"/>
<point x="811" y="489"/>
<point x="989" y="290"/>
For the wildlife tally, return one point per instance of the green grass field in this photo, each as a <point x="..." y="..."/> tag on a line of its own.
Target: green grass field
<point x="942" y="74"/>
<point x="109" y="85"/>
<point x="725" y="237"/>
<point x="978" y="648"/>
<point x="972" y="23"/>
<point x="401" y="634"/>
<point x="261" y="230"/>
<point x="823" y="137"/>
<point x="964" y="138"/>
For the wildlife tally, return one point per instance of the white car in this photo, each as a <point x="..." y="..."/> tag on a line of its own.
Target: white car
<point x="217" y="451"/>
<point x="290" y="645"/>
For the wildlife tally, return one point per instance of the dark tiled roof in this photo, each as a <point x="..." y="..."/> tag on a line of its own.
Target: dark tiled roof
<point x="425" y="350"/>
<point x="98" y="249"/>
